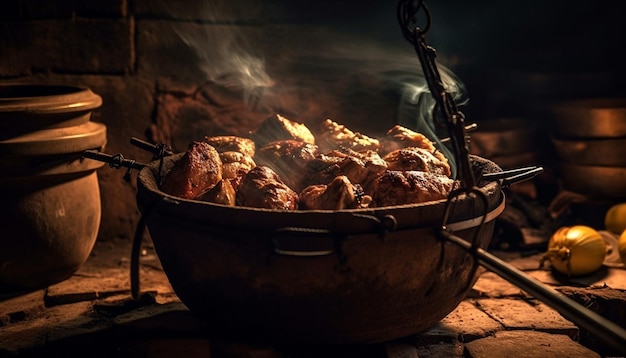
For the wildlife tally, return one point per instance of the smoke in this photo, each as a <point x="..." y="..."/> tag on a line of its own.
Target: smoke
<point x="397" y="67"/>
<point x="268" y="62"/>
<point x="416" y="108"/>
<point x="227" y="58"/>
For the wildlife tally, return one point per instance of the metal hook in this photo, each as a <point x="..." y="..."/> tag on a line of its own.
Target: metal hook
<point x="407" y="12"/>
<point x="444" y="102"/>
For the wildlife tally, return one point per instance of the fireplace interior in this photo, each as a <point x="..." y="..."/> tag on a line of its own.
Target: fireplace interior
<point x="541" y="82"/>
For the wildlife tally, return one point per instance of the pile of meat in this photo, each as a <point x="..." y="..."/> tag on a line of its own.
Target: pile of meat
<point x="284" y="166"/>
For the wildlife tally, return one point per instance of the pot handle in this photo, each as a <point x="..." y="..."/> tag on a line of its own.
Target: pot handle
<point x="296" y="241"/>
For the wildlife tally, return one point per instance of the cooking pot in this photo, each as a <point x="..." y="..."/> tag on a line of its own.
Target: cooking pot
<point x="504" y="137"/>
<point x="592" y="151"/>
<point x="345" y="276"/>
<point x="590" y="118"/>
<point x="50" y="213"/>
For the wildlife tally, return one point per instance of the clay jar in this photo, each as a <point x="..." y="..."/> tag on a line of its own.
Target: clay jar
<point x="50" y="208"/>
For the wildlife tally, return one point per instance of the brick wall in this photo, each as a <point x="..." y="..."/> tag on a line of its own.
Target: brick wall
<point x="172" y="71"/>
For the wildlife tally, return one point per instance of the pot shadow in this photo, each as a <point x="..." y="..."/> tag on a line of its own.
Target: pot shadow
<point x="9" y="292"/>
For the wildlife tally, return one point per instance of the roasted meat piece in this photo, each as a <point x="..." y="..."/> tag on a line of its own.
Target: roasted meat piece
<point x="339" y="194"/>
<point x="362" y="168"/>
<point x="196" y="172"/>
<point x="288" y="158"/>
<point x="415" y="158"/>
<point x="262" y="188"/>
<point x="234" y="162"/>
<point x="399" y="137"/>
<point x="410" y="187"/>
<point x="235" y="165"/>
<point x="277" y="127"/>
<point x="222" y="193"/>
<point x="231" y="143"/>
<point x="337" y="136"/>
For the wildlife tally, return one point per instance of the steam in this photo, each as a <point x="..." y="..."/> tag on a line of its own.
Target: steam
<point x="227" y="58"/>
<point x="231" y="57"/>
<point x="416" y="108"/>
<point x="399" y="69"/>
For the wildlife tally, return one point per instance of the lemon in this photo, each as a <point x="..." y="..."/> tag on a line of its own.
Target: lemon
<point x="615" y="218"/>
<point x="575" y="250"/>
<point x="621" y="246"/>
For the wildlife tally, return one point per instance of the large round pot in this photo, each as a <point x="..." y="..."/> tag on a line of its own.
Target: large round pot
<point x="504" y="137"/>
<point x="607" y="152"/>
<point x="347" y="276"/>
<point x="50" y="212"/>
<point x="590" y="118"/>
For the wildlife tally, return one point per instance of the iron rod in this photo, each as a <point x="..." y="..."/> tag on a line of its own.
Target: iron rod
<point x="147" y="146"/>
<point x="468" y="128"/>
<point x="115" y="161"/>
<point x="506" y="173"/>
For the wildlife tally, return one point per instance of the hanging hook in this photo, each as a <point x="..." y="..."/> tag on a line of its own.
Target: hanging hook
<point x="407" y="12"/>
<point x="444" y="102"/>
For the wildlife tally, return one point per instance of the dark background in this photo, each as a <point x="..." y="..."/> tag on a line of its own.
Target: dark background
<point x="152" y="63"/>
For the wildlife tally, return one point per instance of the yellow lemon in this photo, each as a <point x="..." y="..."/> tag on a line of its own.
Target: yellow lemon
<point x="621" y="246"/>
<point x="615" y="218"/>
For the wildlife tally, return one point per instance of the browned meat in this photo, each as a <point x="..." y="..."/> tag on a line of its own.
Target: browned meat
<point x="277" y="127"/>
<point x="288" y="158"/>
<point x="410" y="187"/>
<point x="360" y="167"/>
<point x="233" y="162"/>
<point x="415" y="158"/>
<point x="222" y="193"/>
<point x="339" y="194"/>
<point x="196" y="172"/>
<point x="262" y="188"/>
<point x="399" y="137"/>
<point x="235" y="165"/>
<point x="230" y="143"/>
<point x="337" y="136"/>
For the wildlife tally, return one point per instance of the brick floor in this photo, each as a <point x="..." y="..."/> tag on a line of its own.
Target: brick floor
<point x="530" y="344"/>
<point x="91" y="314"/>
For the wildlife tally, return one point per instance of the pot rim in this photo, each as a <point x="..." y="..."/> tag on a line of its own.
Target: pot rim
<point x="64" y="140"/>
<point x="347" y="221"/>
<point x="41" y="99"/>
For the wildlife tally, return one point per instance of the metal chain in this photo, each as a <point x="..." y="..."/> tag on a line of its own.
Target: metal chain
<point x="408" y="11"/>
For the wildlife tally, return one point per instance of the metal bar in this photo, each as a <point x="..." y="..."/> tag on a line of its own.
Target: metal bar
<point x="446" y="104"/>
<point x="513" y="176"/>
<point x="506" y="173"/>
<point x="149" y="147"/>
<point x="115" y="161"/>
<point x="468" y="128"/>
<point x="600" y="327"/>
<point x="522" y="176"/>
